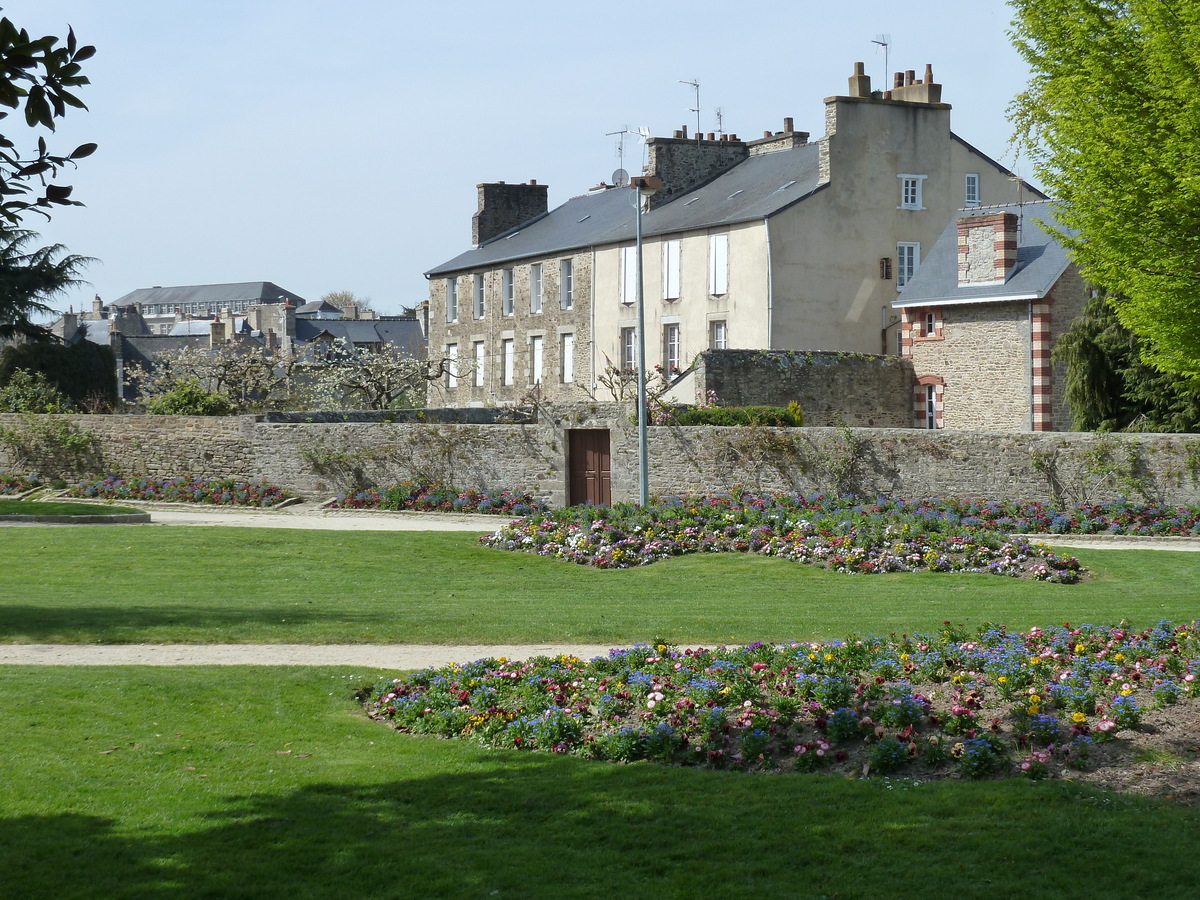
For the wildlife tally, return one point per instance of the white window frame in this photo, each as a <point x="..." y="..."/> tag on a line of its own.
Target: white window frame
<point x="507" y="364"/>
<point x="451" y="299"/>
<point x="508" y="289"/>
<point x="929" y="324"/>
<point x="718" y="334"/>
<point x="535" y="288"/>
<point x="629" y="275"/>
<point x="718" y="264"/>
<point x="537" y="358"/>
<point x="931" y="407"/>
<point x="479" y="305"/>
<point x="567" y="357"/>
<point x="480" y="362"/>
<point x="670" y="265"/>
<point x="671" y="348"/>
<point x="452" y="365"/>
<point x="566" y="283"/>
<point x="971" y="189"/>
<point x="911" y="191"/>
<point x="628" y="349"/>
<point x="908" y="260"/>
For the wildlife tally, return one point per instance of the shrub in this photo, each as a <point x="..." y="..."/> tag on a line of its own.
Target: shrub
<point x="32" y="392"/>
<point x="188" y="398"/>
<point x="788" y="417"/>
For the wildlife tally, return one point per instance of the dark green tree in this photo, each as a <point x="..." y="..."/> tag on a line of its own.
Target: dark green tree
<point x="1111" y="119"/>
<point x="1110" y="387"/>
<point x="29" y="278"/>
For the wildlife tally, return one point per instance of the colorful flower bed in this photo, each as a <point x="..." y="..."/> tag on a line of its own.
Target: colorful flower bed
<point x="840" y="534"/>
<point x="437" y="497"/>
<point x="184" y="489"/>
<point x="16" y="484"/>
<point x="1042" y="703"/>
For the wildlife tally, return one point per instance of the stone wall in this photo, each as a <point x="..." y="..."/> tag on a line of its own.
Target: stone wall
<point x="832" y="388"/>
<point x="319" y="458"/>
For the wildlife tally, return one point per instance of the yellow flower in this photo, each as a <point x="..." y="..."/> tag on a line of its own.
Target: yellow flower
<point x="1079" y="648"/>
<point x="1078" y="718"/>
<point x="812" y="656"/>
<point x="828" y="657"/>
<point x="1035" y="660"/>
<point x="1034" y="709"/>
<point x="1035" y="698"/>
<point x="904" y="657"/>
<point x="1120" y="657"/>
<point x="1126" y="692"/>
<point x="958" y="750"/>
<point x="1003" y="679"/>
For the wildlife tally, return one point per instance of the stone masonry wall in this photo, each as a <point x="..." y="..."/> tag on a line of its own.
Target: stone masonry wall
<point x="831" y="388"/>
<point x="319" y="459"/>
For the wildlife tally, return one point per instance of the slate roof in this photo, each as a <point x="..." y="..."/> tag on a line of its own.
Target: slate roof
<point x="1041" y="261"/>
<point x="316" y="307"/>
<point x="758" y="187"/>
<point x="254" y="291"/>
<point x="404" y="334"/>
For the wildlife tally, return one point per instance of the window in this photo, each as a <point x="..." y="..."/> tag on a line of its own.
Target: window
<point x="899" y="341"/>
<point x="671" y="348"/>
<point x="931" y="406"/>
<point x="452" y="365"/>
<point x="451" y="300"/>
<point x="718" y="335"/>
<point x="910" y="191"/>
<point x="628" y="349"/>
<point x="718" y="263"/>
<point x="566" y="281"/>
<point x="480" y="358"/>
<point x="506" y="282"/>
<point x="506" y="361"/>
<point x="929" y="324"/>
<point x="479" y="296"/>
<point x="670" y="263"/>
<point x="536" y="358"/>
<point x="972" y="194"/>
<point x="535" y="288"/>
<point x="629" y="275"/>
<point x="908" y="257"/>
<point x="568" y="358"/>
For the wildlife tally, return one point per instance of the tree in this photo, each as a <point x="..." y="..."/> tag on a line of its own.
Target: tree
<point x="29" y="278"/>
<point x="1111" y="119"/>
<point x="38" y="75"/>
<point x="342" y="299"/>
<point x="1111" y="388"/>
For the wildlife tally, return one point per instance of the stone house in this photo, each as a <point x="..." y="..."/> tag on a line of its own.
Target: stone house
<point x="774" y="243"/>
<point x="981" y="318"/>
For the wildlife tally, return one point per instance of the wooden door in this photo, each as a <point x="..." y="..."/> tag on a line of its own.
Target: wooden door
<point x="590" y="465"/>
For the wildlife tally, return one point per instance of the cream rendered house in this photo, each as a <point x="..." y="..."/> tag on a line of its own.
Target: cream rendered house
<point x="774" y="243"/>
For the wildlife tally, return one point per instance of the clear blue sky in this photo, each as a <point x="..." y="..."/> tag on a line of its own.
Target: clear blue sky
<point x="336" y="146"/>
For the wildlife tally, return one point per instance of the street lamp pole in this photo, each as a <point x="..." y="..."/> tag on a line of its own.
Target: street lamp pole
<point x="646" y="186"/>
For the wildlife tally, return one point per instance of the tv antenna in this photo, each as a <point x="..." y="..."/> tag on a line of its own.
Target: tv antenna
<point x="884" y="42"/>
<point x="720" y="121"/>
<point x="695" y="85"/>
<point x="642" y="134"/>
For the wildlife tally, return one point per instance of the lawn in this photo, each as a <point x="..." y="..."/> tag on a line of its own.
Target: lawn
<point x="9" y="507"/>
<point x="129" y="584"/>
<point x="189" y="782"/>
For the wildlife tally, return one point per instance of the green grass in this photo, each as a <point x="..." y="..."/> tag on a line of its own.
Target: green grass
<point x="249" y="782"/>
<point x="128" y="584"/>
<point x="59" y="508"/>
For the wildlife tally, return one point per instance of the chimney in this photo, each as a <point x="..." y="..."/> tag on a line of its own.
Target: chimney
<point x="97" y="307"/>
<point x="860" y="81"/>
<point x="906" y="87"/>
<point x="987" y="248"/>
<point x="505" y="206"/>
<point x="216" y="333"/>
<point x="684" y="164"/>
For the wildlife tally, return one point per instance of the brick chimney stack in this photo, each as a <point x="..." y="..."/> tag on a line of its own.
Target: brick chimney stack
<point x="987" y="248"/>
<point x="505" y="206"/>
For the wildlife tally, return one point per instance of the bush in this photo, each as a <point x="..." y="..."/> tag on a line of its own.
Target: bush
<point x="786" y="417"/>
<point x="32" y="392"/>
<point x="188" y="398"/>
<point x="84" y="373"/>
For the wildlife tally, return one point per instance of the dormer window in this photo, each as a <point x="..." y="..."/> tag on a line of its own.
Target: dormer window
<point x="910" y="191"/>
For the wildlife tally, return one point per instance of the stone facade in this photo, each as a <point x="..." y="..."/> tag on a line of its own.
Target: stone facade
<point x="831" y="388"/>
<point x="311" y="458"/>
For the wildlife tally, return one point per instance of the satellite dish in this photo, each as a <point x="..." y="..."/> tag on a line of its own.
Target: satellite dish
<point x="620" y="178"/>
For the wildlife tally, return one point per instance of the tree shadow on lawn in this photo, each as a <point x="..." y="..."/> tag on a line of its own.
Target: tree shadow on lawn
<point x="127" y="623"/>
<point x="540" y="826"/>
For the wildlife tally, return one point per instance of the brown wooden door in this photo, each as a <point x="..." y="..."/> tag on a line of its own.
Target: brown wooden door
<point x="591" y="467"/>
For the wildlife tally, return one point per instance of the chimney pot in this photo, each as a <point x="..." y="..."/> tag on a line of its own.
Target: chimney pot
<point x="898" y="80"/>
<point x="910" y="76"/>
<point x="859" y="69"/>
<point x="789" y="123"/>
<point x="533" y="181"/>
<point x="712" y="136"/>
<point x="929" y="73"/>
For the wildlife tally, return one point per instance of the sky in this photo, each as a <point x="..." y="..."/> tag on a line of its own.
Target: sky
<point x="330" y="147"/>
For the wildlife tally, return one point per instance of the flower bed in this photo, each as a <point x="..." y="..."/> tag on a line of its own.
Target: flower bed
<point x="835" y="533"/>
<point x="437" y="497"/>
<point x="16" y="484"/>
<point x="184" y="489"/>
<point x="1043" y="703"/>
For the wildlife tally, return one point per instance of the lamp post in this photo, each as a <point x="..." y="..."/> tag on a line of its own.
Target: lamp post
<point x="646" y="186"/>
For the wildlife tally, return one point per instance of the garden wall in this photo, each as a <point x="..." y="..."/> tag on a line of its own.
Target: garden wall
<point x="318" y="459"/>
